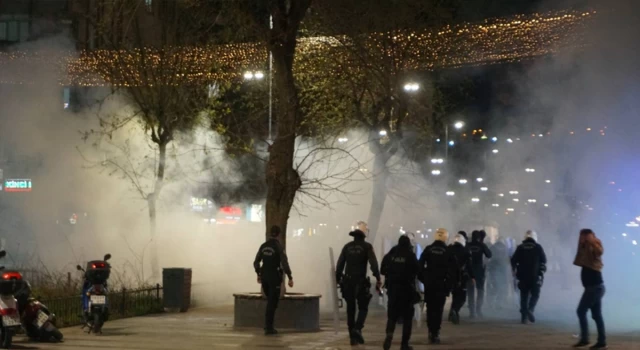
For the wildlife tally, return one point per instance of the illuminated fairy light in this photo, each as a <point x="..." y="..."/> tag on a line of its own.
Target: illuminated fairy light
<point x="495" y="151"/>
<point x="479" y="179"/>
<point x="450" y="193"/>
<point x="462" y="181"/>
<point x="530" y="170"/>
<point x="513" y="192"/>
<point x="516" y="200"/>
<point x="484" y="189"/>
<point x="475" y="200"/>
<point x="531" y="200"/>
<point x="495" y="205"/>
<point x="512" y="39"/>
<point x="437" y="161"/>
<point x="510" y="209"/>
<point x="435" y="172"/>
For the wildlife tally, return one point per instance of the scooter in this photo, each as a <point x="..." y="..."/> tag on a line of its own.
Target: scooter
<point x="10" y="282"/>
<point x="94" y="294"/>
<point x="38" y="322"/>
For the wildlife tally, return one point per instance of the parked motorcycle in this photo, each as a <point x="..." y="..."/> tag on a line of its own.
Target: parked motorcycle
<point x="94" y="294"/>
<point x="10" y="283"/>
<point x="37" y="321"/>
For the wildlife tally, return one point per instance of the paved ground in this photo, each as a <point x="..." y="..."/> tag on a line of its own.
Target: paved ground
<point x="212" y="329"/>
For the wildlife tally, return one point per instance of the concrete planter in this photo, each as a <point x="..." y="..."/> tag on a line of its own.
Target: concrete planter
<point x="300" y="312"/>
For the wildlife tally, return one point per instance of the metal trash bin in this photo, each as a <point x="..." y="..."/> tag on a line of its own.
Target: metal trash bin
<point x="176" y="287"/>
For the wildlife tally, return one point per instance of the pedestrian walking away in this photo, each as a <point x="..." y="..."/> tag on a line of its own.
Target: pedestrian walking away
<point x="529" y="264"/>
<point x="400" y="268"/>
<point x="479" y="251"/>
<point x="463" y="275"/>
<point x="270" y="275"/>
<point x="589" y="258"/>
<point x="437" y="268"/>
<point x="351" y="276"/>
<point x="498" y="279"/>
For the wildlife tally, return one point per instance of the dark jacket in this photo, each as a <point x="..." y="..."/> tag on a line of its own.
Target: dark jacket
<point x="529" y="261"/>
<point x="274" y="261"/>
<point x="354" y="258"/>
<point x="400" y="267"/>
<point x="478" y="251"/>
<point x="463" y="264"/>
<point x="437" y="268"/>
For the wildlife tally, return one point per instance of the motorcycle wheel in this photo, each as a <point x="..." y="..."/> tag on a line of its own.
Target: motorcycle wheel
<point x="6" y="338"/>
<point x="97" y="323"/>
<point x="57" y="335"/>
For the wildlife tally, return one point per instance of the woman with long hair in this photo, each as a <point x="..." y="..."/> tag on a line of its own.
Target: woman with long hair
<point x="589" y="257"/>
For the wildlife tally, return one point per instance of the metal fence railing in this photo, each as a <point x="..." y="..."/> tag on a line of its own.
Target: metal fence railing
<point x="122" y="304"/>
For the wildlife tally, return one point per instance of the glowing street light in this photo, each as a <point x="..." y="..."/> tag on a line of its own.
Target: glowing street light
<point x="475" y="200"/>
<point x="547" y="181"/>
<point x="495" y="205"/>
<point x="530" y="170"/>
<point x="451" y="193"/>
<point x="437" y="161"/>
<point x="513" y="192"/>
<point x="435" y="172"/>
<point x="258" y="75"/>
<point x="479" y="179"/>
<point x="495" y="151"/>
<point x="531" y="201"/>
<point x="458" y="125"/>
<point x="510" y="140"/>
<point x="411" y="87"/>
<point x="343" y="139"/>
<point x="510" y="209"/>
<point x="501" y="194"/>
<point x="383" y="133"/>
<point x="452" y="143"/>
<point x="516" y="200"/>
<point x="494" y="139"/>
<point x="484" y="189"/>
<point x="546" y="205"/>
<point x="248" y="75"/>
<point x="462" y="181"/>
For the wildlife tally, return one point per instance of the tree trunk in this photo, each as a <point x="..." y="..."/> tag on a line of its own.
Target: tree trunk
<point x="378" y="193"/>
<point x="283" y="181"/>
<point x="152" y="201"/>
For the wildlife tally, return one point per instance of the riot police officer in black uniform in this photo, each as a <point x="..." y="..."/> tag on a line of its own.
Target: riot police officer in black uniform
<point x="400" y="268"/>
<point x="463" y="275"/>
<point x="437" y="269"/>
<point x="478" y="251"/>
<point x="529" y="264"/>
<point x="274" y="262"/>
<point x="351" y="275"/>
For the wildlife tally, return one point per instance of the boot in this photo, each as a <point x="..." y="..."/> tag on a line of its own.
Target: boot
<point x="434" y="339"/>
<point x="357" y="335"/>
<point x="387" y="342"/>
<point x="531" y="317"/>
<point x="456" y="318"/>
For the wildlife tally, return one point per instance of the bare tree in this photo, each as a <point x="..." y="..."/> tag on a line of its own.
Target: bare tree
<point x="149" y="56"/>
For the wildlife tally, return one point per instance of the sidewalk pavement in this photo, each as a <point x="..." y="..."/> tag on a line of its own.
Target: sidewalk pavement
<point x="213" y="329"/>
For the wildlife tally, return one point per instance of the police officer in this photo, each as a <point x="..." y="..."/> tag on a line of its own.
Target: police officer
<point x="498" y="268"/>
<point x="463" y="275"/>
<point x="478" y="251"/>
<point x="437" y="270"/>
<point x="274" y="262"/>
<point x="354" y="284"/>
<point x="400" y="268"/>
<point x="529" y="264"/>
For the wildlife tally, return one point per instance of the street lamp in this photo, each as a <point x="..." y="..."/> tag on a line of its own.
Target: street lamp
<point x="411" y="87"/>
<point x="458" y="125"/>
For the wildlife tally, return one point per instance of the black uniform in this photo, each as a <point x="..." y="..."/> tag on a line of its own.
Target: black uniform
<point x="463" y="275"/>
<point x="478" y="251"/>
<point x="530" y="263"/>
<point x="437" y="270"/>
<point x="498" y="268"/>
<point x="400" y="268"/>
<point x="355" y="287"/>
<point x="274" y="262"/>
